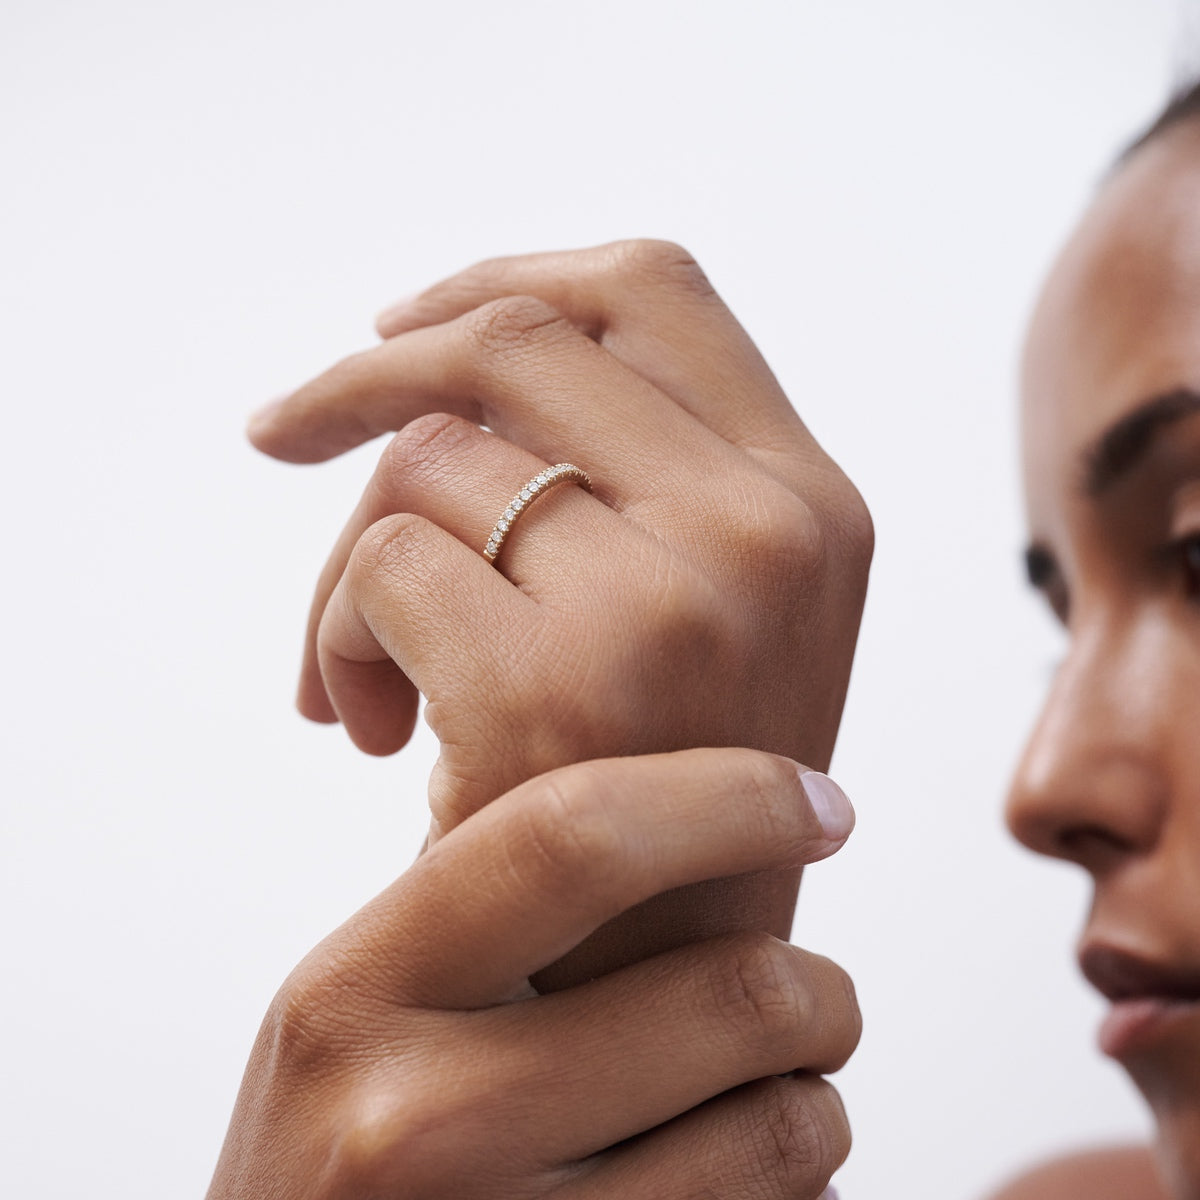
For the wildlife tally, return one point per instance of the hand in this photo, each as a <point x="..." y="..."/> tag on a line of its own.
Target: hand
<point x="406" y="1057"/>
<point x="707" y="593"/>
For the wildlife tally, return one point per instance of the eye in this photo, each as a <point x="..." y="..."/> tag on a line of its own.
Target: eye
<point x="1189" y="553"/>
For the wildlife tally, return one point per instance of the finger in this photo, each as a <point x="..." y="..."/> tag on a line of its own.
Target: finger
<point x="650" y="304"/>
<point x="392" y="618"/>
<point x="517" y="366"/>
<point x="463" y="479"/>
<point x="659" y="1038"/>
<point x="770" y="1140"/>
<point x="555" y="858"/>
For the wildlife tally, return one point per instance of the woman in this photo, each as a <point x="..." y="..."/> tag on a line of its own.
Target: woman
<point x="716" y="523"/>
<point x="1111" y="447"/>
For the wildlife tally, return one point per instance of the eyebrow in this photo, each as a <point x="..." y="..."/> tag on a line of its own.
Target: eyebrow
<point x="1126" y="442"/>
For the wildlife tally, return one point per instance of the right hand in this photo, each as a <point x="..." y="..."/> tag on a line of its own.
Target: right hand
<point x="407" y="1056"/>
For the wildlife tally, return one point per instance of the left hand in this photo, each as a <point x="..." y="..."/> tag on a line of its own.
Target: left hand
<point x="708" y="592"/>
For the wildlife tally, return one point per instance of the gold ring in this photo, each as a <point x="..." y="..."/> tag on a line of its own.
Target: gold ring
<point x="537" y="486"/>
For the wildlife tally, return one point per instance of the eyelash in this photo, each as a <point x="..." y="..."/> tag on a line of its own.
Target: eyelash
<point x="1188" y="551"/>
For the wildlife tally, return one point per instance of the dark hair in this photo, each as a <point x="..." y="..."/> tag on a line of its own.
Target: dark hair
<point x="1183" y="105"/>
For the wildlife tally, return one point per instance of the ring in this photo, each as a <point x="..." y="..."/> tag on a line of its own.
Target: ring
<point x="537" y="486"/>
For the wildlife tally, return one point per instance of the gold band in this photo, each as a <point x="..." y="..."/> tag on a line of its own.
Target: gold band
<point x="537" y="486"/>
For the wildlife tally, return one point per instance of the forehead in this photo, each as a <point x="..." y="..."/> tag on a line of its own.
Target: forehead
<point x="1118" y="320"/>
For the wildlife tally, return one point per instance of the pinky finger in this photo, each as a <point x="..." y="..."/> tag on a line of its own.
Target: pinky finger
<point x="769" y="1140"/>
<point x="410" y="614"/>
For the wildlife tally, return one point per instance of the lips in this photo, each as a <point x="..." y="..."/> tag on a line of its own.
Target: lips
<point x="1148" y="998"/>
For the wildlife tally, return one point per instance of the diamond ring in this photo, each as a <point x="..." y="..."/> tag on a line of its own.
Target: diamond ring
<point x="537" y="486"/>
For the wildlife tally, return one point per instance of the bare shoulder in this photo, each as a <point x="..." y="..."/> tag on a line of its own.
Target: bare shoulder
<point x="1116" y="1173"/>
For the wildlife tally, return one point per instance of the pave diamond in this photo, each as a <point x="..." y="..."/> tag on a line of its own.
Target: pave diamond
<point x="539" y="483"/>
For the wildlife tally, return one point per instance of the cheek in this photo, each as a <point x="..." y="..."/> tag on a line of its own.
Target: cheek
<point x="1167" y="690"/>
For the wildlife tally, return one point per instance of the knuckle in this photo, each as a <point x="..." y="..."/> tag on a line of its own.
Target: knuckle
<point x="776" y="547"/>
<point x="837" y="1024"/>
<point x="590" y="716"/>
<point x="853" y="526"/>
<point x="384" y="1130"/>
<point x="422" y="450"/>
<point x="657" y="263"/>
<point x="352" y="373"/>
<point x="801" y="1138"/>
<point x="370" y="1132"/>
<point x="387" y="547"/>
<point x="685" y="627"/>
<point x="570" y="845"/>
<point x="488" y="274"/>
<point x="763" y="989"/>
<point x="769" y="786"/>
<point x="854" y="1018"/>
<point x="798" y="537"/>
<point x="309" y="1022"/>
<point x="511" y="325"/>
<point x="686" y="614"/>
<point x="774" y="531"/>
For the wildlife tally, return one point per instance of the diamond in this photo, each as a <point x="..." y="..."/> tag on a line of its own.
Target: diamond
<point x="516" y="506"/>
<point x="526" y="494"/>
<point x="509" y="513"/>
<point x="502" y="525"/>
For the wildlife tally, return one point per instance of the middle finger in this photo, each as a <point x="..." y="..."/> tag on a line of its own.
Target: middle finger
<point x="658" y="1038"/>
<point x="519" y="367"/>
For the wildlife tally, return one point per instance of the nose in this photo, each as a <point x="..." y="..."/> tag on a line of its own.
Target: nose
<point x="1091" y="786"/>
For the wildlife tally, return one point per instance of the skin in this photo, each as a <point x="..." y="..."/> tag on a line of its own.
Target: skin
<point x="1110" y="776"/>
<point x="406" y="1056"/>
<point x="1110" y="779"/>
<point x="707" y="594"/>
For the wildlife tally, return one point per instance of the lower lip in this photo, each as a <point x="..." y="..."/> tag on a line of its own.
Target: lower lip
<point x="1133" y="1025"/>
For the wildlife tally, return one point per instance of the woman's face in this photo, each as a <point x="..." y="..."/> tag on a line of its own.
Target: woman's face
<point x="1111" y="776"/>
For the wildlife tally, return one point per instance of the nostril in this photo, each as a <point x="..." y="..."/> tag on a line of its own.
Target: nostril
<point x="1091" y="846"/>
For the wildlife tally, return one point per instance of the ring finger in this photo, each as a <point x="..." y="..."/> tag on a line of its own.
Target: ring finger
<point x="467" y="481"/>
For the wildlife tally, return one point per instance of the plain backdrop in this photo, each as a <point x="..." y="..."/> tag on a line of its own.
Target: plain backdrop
<point x="204" y="204"/>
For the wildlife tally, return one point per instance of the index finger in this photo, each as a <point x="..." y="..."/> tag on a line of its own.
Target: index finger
<point x="651" y="306"/>
<point x="519" y="884"/>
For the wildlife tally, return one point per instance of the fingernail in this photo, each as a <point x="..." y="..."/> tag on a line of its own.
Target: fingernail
<point x="396" y="311"/>
<point x="830" y="1193"/>
<point x="830" y="804"/>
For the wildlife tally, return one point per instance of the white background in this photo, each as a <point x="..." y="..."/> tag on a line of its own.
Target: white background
<point x="203" y="204"/>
